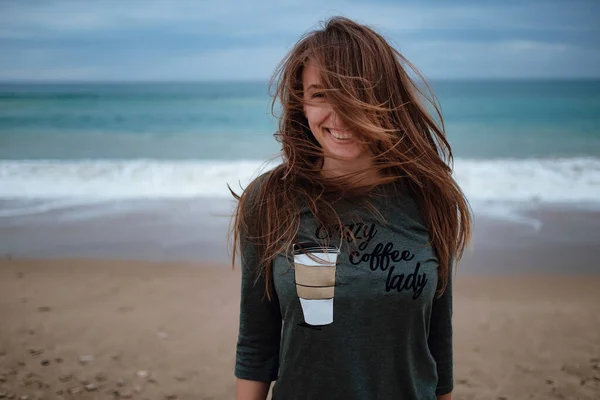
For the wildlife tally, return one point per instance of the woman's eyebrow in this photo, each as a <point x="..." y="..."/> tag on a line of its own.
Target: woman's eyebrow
<point x="314" y="86"/>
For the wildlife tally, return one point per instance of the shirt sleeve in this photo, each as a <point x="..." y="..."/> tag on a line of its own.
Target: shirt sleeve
<point x="440" y="338"/>
<point x="257" y="355"/>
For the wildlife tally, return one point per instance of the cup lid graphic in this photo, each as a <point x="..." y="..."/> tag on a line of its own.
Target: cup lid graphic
<point x="313" y="247"/>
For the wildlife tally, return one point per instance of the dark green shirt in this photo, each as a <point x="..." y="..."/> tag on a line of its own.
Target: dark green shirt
<point x="389" y="338"/>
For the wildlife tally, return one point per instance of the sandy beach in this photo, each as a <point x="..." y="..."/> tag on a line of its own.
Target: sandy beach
<point x="526" y="313"/>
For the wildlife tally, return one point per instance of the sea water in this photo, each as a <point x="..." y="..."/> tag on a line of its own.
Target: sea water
<point x="515" y="142"/>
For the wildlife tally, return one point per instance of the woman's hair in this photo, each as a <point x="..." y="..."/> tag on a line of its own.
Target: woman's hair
<point x="365" y="81"/>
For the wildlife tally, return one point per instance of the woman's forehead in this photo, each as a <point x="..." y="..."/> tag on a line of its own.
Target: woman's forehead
<point x="311" y="74"/>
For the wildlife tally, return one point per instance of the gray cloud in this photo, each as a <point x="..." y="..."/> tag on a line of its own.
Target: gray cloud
<point x="197" y="40"/>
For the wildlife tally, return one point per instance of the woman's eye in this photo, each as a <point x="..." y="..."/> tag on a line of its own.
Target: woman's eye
<point x="317" y="95"/>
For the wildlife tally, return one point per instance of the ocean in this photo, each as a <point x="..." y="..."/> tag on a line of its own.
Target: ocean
<point x="515" y="143"/>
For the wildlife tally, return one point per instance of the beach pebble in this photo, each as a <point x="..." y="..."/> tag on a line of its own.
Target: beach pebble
<point x="36" y="352"/>
<point x="100" y="377"/>
<point x="3" y="378"/>
<point x="44" y="309"/>
<point x="45" y="362"/>
<point x="137" y="389"/>
<point x="142" y="374"/>
<point x="171" y="397"/>
<point x="75" y="390"/>
<point x="59" y="392"/>
<point x="24" y="397"/>
<point x="58" y="360"/>
<point x="2" y="394"/>
<point x="90" y="387"/>
<point x="120" y="383"/>
<point x="65" y="378"/>
<point x="86" y="358"/>
<point x="152" y="380"/>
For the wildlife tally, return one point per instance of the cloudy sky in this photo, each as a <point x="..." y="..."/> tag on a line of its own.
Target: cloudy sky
<point x="182" y="40"/>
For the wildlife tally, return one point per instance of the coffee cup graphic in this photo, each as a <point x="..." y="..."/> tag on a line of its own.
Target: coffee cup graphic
<point x="314" y="268"/>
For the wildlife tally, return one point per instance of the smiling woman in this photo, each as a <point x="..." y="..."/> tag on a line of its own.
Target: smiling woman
<point x="345" y="152"/>
<point x="361" y="308"/>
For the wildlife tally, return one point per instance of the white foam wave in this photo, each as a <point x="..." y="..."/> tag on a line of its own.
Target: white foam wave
<point x="568" y="180"/>
<point x="533" y="180"/>
<point x="124" y="179"/>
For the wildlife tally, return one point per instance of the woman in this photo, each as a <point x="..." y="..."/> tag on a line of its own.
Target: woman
<point x="347" y="247"/>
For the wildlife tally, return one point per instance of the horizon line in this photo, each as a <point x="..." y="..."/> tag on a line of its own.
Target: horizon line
<point x="217" y="81"/>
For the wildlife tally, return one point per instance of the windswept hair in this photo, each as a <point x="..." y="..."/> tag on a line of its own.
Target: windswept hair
<point x="365" y="81"/>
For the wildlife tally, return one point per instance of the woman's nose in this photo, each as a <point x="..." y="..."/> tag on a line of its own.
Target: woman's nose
<point x="333" y="117"/>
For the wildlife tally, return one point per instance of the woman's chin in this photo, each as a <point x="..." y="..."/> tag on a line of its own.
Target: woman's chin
<point x="347" y="154"/>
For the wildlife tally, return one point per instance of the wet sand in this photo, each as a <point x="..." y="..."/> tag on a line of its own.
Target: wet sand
<point x="548" y="239"/>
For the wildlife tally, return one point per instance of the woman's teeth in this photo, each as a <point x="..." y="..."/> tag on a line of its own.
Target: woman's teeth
<point x="340" y="135"/>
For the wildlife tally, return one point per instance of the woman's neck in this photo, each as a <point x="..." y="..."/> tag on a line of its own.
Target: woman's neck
<point x="359" y="169"/>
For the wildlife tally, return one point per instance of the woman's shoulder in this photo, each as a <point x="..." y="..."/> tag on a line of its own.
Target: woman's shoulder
<point x="258" y="185"/>
<point x="266" y="187"/>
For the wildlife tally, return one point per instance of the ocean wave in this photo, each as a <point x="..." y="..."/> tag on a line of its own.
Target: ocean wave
<point x="568" y="180"/>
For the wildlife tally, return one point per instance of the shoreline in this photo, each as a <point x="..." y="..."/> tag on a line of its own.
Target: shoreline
<point x="554" y="239"/>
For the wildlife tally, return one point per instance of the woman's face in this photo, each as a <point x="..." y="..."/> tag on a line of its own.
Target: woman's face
<point x="334" y="137"/>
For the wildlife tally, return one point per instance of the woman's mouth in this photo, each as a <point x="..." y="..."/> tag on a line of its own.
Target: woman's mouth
<point x="339" y="134"/>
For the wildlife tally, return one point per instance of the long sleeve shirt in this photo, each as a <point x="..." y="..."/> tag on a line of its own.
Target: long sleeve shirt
<point x="358" y="321"/>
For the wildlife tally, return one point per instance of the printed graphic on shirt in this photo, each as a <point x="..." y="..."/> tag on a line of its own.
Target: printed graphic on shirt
<point x="382" y="256"/>
<point x="314" y="269"/>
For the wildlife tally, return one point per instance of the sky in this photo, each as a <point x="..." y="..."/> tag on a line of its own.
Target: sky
<point x="216" y="40"/>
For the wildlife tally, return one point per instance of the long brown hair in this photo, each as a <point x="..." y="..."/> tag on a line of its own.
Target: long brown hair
<point x="365" y="81"/>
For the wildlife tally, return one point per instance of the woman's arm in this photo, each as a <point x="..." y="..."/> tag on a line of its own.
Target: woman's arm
<point x="447" y="396"/>
<point x="257" y="353"/>
<point x="252" y="390"/>
<point x="440" y="340"/>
